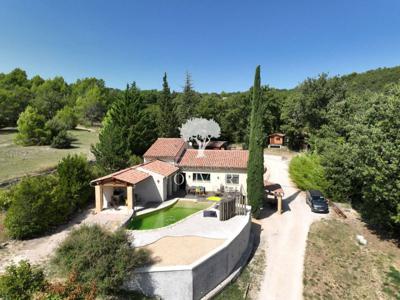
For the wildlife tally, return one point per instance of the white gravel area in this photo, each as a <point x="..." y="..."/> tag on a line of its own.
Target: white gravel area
<point x="40" y="250"/>
<point x="285" y="237"/>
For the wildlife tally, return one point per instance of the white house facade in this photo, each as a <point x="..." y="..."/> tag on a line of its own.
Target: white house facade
<point x="169" y="167"/>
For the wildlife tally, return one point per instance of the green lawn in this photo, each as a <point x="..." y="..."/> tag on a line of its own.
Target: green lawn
<point x="17" y="160"/>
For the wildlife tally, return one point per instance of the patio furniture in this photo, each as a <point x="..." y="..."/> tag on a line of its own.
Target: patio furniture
<point x="200" y="190"/>
<point x="191" y="189"/>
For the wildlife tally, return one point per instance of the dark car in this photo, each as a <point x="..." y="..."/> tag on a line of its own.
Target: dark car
<point x="317" y="202"/>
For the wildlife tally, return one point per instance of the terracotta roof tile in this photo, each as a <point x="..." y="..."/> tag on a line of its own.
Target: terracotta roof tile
<point x="160" y="167"/>
<point x="277" y="134"/>
<point x="166" y="148"/>
<point x="128" y="175"/>
<point x="132" y="176"/>
<point x="216" y="159"/>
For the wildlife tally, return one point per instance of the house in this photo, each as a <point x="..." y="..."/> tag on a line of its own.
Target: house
<point x="151" y="181"/>
<point x="227" y="169"/>
<point x="214" y="145"/>
<point x="168" y="167"/>
<point x="276" y="140"/>
<point x="166" y="149"/>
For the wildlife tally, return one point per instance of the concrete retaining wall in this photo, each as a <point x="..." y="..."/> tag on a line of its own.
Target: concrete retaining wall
<point x="213" y="270"/>
<point x="196" y="280"/>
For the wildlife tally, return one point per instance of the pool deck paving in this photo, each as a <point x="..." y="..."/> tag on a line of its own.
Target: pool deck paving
<point x="194" y="225"/>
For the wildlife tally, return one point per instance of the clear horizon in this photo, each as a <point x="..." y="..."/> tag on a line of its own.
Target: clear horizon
<point x="220" y="44"/>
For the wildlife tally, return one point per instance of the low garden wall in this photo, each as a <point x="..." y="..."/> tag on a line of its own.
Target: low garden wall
<point x="198" y="279"/>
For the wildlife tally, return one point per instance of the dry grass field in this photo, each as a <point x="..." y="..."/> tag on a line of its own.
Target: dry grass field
<point x="16" y="161"/>
<point x="337" y="267"/>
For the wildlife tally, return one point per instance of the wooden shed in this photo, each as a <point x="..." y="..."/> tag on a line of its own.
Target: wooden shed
<point x="276" y="140"/>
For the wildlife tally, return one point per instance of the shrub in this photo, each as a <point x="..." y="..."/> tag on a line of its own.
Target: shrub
<point x="307" y="173"/>
<point x="98" y="257"/>
<point x="31" y="128"/>
<point x="5" y="200"/>
<point x="70" y="289"/>
<point x="73" y="190"/>
<point x="31" y="211"/>
<point x="21" y="281"/>
<point x="67" y="118"/>
<point x="62" y="140"/>
<point x="38" y="203"/>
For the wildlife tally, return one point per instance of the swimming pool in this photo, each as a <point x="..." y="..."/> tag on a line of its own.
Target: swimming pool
<point x="167" y="216"/>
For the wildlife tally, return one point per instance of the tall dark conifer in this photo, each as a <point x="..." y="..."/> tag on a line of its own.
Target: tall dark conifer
<point x="255" y="167"/>
<point x="168" y="126"/>
<point x="187" y="101"/>
<point x="128" y="130"/>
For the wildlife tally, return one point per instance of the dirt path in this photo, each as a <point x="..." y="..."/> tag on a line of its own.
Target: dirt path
<point x="285" y="237"/>
<point x="40" y="250"/>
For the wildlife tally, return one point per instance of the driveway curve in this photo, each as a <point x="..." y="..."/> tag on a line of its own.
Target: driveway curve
<point x="284" y="236"/>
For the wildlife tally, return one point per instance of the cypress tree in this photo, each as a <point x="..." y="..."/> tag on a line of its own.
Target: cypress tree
<point x="255" y="165"/>
<point x="168" y="126"/>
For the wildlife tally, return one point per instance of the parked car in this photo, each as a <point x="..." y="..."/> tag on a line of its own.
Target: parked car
<point x="317" y="202"/>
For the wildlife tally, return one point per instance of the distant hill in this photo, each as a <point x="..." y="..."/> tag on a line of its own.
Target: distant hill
<point x="373" y="80"/>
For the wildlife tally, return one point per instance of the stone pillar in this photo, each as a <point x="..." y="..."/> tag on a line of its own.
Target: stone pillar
<point x="130" y="197"/>
<point x="280" y="203"/>
<point x="99" y="198"/>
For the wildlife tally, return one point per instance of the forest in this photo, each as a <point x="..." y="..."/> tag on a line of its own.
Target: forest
<point x="349" y="124"/>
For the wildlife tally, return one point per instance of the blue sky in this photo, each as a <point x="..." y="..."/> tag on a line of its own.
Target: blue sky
<point x="218" y="42"/>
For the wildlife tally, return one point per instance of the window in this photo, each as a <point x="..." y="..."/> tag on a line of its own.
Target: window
<point x="232" y="179"/>
<point x="201" y="177"/>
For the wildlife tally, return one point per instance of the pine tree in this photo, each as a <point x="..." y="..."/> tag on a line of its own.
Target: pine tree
<point x="255" y="168"/>
<point x="187" y="101"/>
<point x="168" y="126"/>
<point x="127" y="130"/>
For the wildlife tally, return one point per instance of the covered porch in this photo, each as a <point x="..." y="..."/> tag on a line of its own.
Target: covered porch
<point x="136" y="187"/>
<point x="106" y="196"/>
<point x="118" y="189"/>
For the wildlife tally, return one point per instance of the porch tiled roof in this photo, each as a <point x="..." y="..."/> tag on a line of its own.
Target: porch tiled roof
<point x="215" y="159"/>
<point x="128" y="175"/>
<point x="165" y="148"/>
<point x="160" y="167"/>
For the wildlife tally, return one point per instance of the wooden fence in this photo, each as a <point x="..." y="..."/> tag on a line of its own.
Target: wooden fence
<point x="233" y="204"/>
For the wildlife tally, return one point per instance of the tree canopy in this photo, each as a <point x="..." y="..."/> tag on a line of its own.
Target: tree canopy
<point x="128" y="129"/>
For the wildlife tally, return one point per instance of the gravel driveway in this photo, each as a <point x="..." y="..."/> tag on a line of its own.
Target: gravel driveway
<point x="285" y="237"/>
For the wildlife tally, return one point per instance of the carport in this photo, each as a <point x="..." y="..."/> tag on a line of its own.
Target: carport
<point x="275" y="190"/>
